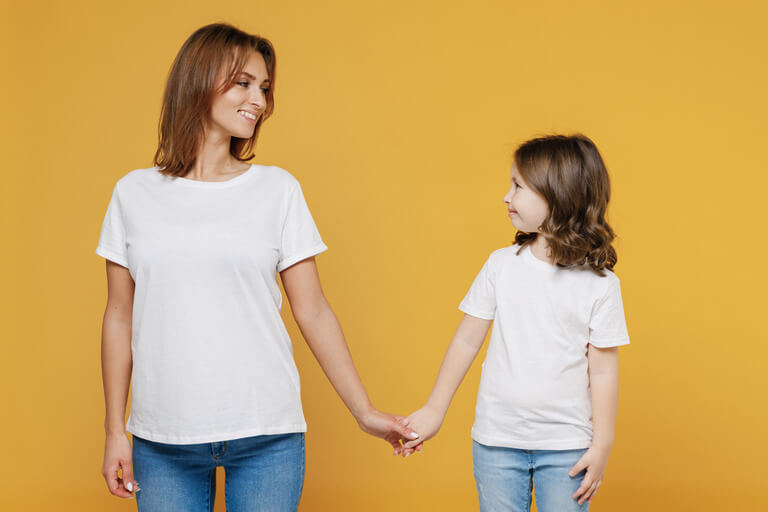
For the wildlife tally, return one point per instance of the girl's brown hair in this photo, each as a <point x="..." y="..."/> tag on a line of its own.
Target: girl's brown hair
<point x="192" y="86"/>
<point x="569" y="173"/>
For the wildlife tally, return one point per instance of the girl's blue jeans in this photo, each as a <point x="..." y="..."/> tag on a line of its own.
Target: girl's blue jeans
<point x="507" y="477"/>
<point x="262" y="473"/>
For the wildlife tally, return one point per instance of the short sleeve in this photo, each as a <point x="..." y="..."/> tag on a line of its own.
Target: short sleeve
<point x="300" y="238"/>
<point x="112" y="243"/>
<point x="607" y="325"/>
<point x="480" y="300"/>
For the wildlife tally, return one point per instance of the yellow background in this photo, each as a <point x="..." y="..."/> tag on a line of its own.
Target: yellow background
<point x="399" y="119"/>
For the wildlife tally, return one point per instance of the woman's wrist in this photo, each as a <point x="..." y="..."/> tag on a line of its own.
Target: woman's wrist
<point x="362" y="411"/>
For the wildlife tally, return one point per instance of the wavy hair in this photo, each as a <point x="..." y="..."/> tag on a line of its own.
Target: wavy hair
<point x="192" y="85"/>
<point x="570" y="174"/>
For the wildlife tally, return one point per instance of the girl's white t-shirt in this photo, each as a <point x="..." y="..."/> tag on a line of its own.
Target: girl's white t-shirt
<point x="212" y="360"/>
<point x="534" y="390"/>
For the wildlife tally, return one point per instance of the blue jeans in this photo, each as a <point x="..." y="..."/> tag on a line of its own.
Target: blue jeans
<point x="262" y="473"/>
<point x="506" y="477"/>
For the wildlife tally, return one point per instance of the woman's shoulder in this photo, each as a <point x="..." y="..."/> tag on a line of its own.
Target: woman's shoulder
<point x="139" y="175"/>
<point x="276" y="175"/>
<point x="135" y="177"/>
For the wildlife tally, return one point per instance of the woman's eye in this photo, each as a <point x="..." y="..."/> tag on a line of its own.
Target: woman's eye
<point x="265" y="90"/>
<point x="242" y="84"/>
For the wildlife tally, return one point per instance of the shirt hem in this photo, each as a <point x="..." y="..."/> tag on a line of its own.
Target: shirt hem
<point x="111" y="256"/>
<point x="569" y="444"/>
<point x="616" y="342"/>
<point x="314" y="251"/>
<point x="475" y="312"/>
<point x="215" y="438"/>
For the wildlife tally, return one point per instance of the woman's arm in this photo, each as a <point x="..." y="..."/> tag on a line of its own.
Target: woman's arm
<point x="116" y="365"/>
<point x="458" y="358"/>
<point x="321" y="330"/>
<point x="604" y="385"/>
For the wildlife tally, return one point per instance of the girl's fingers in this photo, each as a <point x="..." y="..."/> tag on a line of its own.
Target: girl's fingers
<point x="577" y="468"/>
<point x="588" y="495"/>
<point x="585" y="485"/>
<point x="591" y="496"/>
<point x="584" y="496"/>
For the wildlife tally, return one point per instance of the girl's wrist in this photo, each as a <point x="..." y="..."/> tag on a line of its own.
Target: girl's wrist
<point x="435" y="408"/>
<point x="602" y="445"/>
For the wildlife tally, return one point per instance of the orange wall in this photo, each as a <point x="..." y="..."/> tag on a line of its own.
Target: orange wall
<point x="399" y="119"/>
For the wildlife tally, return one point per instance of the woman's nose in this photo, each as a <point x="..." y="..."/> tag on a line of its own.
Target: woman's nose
<point x="259" y="101"/>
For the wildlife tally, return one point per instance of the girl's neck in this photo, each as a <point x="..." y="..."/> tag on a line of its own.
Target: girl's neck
<point x="540" y="249"/>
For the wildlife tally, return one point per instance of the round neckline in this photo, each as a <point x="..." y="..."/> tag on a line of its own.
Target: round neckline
<point x="216" y="184"/>
<point x="531" y="259"/>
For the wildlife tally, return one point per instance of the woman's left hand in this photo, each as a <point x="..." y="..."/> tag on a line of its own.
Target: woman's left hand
<point x="387" y="426"/>
<point x="594" y="461"/>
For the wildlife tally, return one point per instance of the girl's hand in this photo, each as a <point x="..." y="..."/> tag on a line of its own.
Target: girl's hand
<point x="427" y="422"/>
<point x="389" y="427"/>
<point x="594" y="461"/>
<point x="118" y="455"/>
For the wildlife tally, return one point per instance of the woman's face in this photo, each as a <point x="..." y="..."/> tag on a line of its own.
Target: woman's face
<point x="527" y="208"/>
<point x="234" y="113"/>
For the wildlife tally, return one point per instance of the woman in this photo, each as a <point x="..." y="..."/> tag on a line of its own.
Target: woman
<point x="193" y="247"/>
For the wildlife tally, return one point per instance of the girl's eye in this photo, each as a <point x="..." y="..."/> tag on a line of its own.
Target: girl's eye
<point x="242" y="84"/>
<point x="265" y="90"/>
<point x="517" y="185"/>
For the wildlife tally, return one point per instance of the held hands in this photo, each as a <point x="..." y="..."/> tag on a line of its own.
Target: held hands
<point x="387" y="426"/>
<point x="426" y="421"/>
<point x="594" y="461"/>
<point x="118" y="455"/>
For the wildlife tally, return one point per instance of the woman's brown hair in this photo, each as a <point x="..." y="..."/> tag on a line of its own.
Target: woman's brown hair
<point x="570" y="174"/>
<point x="192" y="86"/>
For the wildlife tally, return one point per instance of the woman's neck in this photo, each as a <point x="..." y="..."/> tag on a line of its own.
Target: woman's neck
<point x="214" y="162"/>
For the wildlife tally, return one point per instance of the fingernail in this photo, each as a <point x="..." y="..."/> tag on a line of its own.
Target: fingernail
<point x="414" y="435"/>
<point x="129" y="486"/>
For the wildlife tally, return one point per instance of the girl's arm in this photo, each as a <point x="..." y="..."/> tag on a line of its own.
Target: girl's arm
<point x="604" y="383"/>
<point x="458" y="358"/>
<point x="321" y="330"/>
<point x="116" y="366"/>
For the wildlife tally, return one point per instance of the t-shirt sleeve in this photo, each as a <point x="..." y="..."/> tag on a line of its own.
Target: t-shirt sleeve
<point x="300" y="238"/>
<point x="607" y="325"/>
<point x="112" y="243"/>
<point x="480" y="300"/>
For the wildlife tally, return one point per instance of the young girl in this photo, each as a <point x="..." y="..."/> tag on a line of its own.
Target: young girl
<point x="546" y="407"/>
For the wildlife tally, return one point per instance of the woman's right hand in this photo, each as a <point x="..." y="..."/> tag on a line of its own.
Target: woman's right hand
<point x="426" y="422"/>
<point x="118" y="455"/>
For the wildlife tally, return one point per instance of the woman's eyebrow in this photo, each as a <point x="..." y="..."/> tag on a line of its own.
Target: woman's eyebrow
<point x="251" y="77"/>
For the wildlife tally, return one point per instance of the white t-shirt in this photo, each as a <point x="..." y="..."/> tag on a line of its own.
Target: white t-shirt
<point x="534" y="390"/>
<point x="212" y="360"/>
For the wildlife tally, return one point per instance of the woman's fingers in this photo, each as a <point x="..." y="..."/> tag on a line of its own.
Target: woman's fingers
<point x="122" y="487"/>
<point x="404" y="430"/>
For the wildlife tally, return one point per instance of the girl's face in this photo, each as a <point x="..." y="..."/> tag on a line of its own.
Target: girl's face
<point x="234" y="113"/>
<point x="527" y="208"/>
